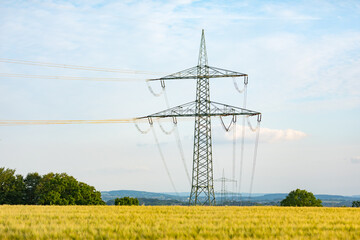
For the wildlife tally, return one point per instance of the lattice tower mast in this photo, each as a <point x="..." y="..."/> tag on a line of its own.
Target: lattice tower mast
<point x="202" y="189"/>
<point x="202" y="174"/>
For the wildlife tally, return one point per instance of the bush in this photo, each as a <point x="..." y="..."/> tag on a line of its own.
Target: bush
<point x="126" y="201"/>
<point x="356" y="204"/>
<point x="301" y="198"/>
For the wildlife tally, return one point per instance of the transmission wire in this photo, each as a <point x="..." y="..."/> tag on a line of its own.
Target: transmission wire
<point x="140" y="130"/>
<point x="178" y="141"/>
<point x="77" y="67"/>
<point x="163" y="159"/>
<point x="165" y="131"/>
<point x="254" y="159"/>
<point x="234" y="159"/>
<point x="250" y="126"/>
<point x="57" y="122"/>
<point x="153" y="92"/>
<point x="101" y="79"/>
<point x="242" y="144"/>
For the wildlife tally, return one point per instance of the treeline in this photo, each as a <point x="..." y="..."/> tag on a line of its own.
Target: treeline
<point x="154" y="202"/>
<point x="49" y="189"/>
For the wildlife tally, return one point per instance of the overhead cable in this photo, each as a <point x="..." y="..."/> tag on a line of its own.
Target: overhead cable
<point x="163" y="159"/>
<point x="49" y="122"/>
<point x="250" y="126"/>
<point x="78" y="67"/>
<point x="254" y="159"/>
<point x="178" y="140"/>
<point x="153" y="92"/>
<point x="101" y="79"/>
<point x="140" y="130"/>
<point x="242" y="142"/>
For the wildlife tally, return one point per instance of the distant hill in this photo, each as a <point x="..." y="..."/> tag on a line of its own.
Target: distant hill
<point x="108" y="195"/>
<point x="152" y="198"/>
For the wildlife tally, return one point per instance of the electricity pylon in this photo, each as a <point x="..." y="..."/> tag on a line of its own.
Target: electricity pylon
<point x="223" y="181"/>
<point x="202" y="189"/>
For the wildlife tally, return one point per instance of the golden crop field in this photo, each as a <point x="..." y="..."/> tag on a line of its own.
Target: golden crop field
<point x="177" y="222"/>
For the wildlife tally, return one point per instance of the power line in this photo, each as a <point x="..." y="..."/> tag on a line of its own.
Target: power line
<point x="163" y="159"/>
<point x="59" y="122"/>
<point x="50" y="122"/>
<point x="255" y="156"/>
<point x="78" y="67"/>
<point x="101" y="79"/>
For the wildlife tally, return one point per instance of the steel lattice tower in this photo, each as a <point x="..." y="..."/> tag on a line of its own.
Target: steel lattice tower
<point x="202" y="189"/>
<point x="202" y="174"/>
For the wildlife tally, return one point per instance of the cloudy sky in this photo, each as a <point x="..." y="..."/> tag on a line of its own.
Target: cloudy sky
<point x="302" y="58"/>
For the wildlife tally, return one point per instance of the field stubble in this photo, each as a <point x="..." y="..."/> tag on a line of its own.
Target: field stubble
<point x="177" y="222"/>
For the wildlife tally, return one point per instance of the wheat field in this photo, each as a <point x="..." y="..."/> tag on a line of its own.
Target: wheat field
<point x="177" y="222"/>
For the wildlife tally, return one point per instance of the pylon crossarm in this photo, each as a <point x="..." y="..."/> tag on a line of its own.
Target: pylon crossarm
<point x="192" y="73"/>
<point x="215" y="72"/>
<point x="189" y="110"/>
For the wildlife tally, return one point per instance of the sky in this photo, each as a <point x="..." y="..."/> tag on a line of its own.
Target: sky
<point x="302" y="59"/>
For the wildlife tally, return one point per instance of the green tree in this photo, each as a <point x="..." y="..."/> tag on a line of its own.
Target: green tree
<point x="31" y="182"/>
<point x="356" y="204"/>
<point x="89" y="195"/>
<point x="126" y="201"/>
<point x="301" y="198"/>
<point x="62" y="189"/>
<point x="50" y="189"/>
<point x="11" y="187"/>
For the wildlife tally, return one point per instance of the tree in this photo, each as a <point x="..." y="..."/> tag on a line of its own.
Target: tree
<point x="62" y="189"/>
<point x="31" y="182"/>
<point x="11" y="187"/>
<point x="356" y="204"/>
<point x="301" y="198"/>
<point x="49" y="189"/>
<point x="89" y="195"/>
<point x="126" y="201"/>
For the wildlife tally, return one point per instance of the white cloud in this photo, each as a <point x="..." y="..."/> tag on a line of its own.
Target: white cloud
<point x="355" y="160"/>
<point x="268" y="135"/>
<point x="275" y="135"/>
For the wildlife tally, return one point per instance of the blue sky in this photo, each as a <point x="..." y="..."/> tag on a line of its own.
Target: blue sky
<point x="302" y="58"/>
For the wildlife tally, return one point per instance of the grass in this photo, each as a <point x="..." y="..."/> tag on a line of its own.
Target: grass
<point x="167" y="222"/>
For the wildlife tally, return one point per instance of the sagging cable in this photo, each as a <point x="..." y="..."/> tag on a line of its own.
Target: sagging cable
<point x="249" y="123"/>
<point x="153" y="92"/>
<point x="140" y="130"/>
<point x="164" y="130"/>
<point x="232" y="123"/>
<point x="237" y="86"/>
